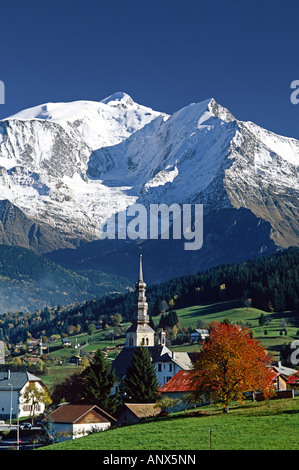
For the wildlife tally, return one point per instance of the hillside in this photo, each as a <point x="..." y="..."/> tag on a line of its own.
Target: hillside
<point x="253" y="426"/>
<point x="279" y="329"/>
<point x="29" y="281"/>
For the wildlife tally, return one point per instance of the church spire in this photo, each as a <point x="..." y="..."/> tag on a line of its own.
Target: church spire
<point x="140" y="268"/>
<point x="140" y="332"/>
<point x="141" y="303"/>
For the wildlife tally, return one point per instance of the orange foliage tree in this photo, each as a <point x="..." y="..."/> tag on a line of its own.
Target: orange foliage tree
<point x="230" y="364"/>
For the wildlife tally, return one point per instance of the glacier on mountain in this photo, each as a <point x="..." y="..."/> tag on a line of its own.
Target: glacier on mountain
<point x="71" y="166"/>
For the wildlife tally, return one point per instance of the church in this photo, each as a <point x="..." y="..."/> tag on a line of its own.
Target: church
<point x="140" y="333"/>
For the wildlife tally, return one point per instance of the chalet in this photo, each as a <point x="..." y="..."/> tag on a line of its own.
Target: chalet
<point x="73" y="421"/>
<point x="12" y="389"/>
<point x="279" y="380"/>
<point x="75" y="360"/>
<point x="130" y="413"/>
<point x="199" y="335"/>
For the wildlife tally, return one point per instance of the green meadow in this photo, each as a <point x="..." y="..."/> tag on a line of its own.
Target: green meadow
<point x="281" y="328"/>
<point x="252" y="426"/>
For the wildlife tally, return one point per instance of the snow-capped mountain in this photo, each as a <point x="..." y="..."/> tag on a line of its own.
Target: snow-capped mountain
<point x="68" y="167"/>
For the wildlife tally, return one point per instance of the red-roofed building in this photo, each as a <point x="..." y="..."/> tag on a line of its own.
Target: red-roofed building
<point x="179" y="387"/>
<point x="293" y="381"/>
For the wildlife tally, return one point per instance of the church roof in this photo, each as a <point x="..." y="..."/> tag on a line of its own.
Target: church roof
<point x="158" y="353"/>
<point x="122" y="362"/>
<point x="124" y="358"/>
<point x="140" y="328"/>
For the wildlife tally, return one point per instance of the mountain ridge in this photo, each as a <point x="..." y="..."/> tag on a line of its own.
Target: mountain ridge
<point x="69" y="167"/>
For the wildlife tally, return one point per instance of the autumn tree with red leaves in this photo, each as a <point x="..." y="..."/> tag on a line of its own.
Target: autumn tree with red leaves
<point x="230" y="364"/>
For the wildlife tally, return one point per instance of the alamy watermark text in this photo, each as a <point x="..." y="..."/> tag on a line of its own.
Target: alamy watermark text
<point x="157" y="221"/>
<point x="2" y="92"/>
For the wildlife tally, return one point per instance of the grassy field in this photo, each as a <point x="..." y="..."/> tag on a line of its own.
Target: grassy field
<point x="269" y="335"/>
<point x="253" y="426"/>
<point x="89" y="343"/>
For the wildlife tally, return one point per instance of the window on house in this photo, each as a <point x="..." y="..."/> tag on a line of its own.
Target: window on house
<point x="159" y="367"/>
<point x="170" y="367"/>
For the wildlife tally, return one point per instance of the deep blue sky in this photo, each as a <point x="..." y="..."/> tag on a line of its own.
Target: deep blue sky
<point x="166" y="54"/>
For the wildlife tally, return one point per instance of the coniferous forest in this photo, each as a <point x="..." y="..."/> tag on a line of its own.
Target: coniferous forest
<point x="268" y="283"/>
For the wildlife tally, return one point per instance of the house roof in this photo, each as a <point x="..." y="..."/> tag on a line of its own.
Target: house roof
<point x="180" y="382"/>
<point x="16" y="380"/>
<point x="287" y="371"/>
<point x="294" y="379"/>
<point x="71" y="413"/>
<point x="142" y="410"/>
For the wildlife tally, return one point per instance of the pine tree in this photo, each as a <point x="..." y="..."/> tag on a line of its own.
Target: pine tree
<point x="98" y="380"/>
<point x="140" y="384"/>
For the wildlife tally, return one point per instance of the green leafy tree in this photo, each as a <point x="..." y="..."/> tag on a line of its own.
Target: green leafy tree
<point x="140" y="384"/>
<point x="98" y="381"/>
<point x="117" y="319"/>
<point x="262" y="319"/>
<point x="69" y="390"/>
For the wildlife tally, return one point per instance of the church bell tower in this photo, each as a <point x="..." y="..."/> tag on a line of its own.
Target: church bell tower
<point x="140" y="333"/>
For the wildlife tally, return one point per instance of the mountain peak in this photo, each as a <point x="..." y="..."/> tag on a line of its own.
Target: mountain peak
<point x="219" y="111"/>
<point x="118" y="98"/>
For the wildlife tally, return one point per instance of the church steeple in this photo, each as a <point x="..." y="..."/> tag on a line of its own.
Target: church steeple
<point x="140" y="268"/>
<point x="141" y="305"/>
<point x="140" y="333"/>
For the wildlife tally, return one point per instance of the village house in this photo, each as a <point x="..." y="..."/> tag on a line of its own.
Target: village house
<point x="12" y="388"/>
<point x="66" y="342"/>
<point x="75" y="360"/>
<point x="178" y="388"/>
<point x="71" y="421"/>
<point x="279" y="380"/>
<point x="199" y="334"/>
<point x="280" y="385"/>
